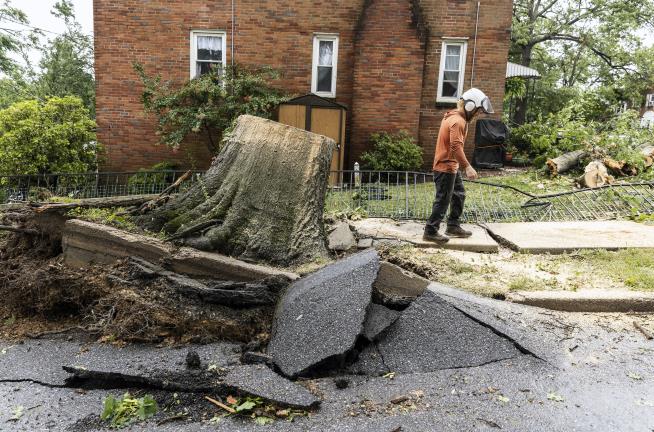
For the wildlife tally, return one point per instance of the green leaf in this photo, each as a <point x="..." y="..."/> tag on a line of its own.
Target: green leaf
<point x="263" y="421"/>
<point x="246" y="406"/>
<point x="555" y="397"/>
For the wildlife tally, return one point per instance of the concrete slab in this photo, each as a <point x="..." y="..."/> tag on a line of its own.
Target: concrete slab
<point x="562" y="237"/>
<point x="397" y="287"/>
<point x="411" y="231"/>
<point x="87" y="243"/>
<point x="590" y="300"/>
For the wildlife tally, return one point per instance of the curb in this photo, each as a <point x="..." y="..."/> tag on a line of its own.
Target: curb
<point x="590" y="300"/>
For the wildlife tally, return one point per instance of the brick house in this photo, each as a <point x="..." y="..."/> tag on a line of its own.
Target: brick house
<point x="395" y="64"/>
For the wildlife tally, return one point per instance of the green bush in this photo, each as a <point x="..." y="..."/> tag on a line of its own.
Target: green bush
<point x="393" y="152"/>
<point x="210" y="103"/>
<point x="52" y="136"/>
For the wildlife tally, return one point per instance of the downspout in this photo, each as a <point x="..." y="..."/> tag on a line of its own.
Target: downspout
<point x="233" y="27"/>
<point x="474" y="53"/>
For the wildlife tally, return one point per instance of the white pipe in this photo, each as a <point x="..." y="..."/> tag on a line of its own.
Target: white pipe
<point x="474" y="53"/>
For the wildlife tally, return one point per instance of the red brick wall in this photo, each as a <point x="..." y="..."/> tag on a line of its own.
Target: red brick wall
<point x="280" y="34"/>
<point x="388" y="71"/>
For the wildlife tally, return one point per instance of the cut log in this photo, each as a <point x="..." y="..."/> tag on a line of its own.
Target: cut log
<point x="267" y="186"/>
<point x="595" y="175"/>
<point x="565" y="162"/>
<point x="648" y="154"/>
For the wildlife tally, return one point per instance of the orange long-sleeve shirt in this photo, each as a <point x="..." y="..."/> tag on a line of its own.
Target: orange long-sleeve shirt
<point x="449" y="147"/>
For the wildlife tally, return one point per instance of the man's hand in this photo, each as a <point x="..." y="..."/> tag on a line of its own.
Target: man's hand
<point x="471" y="173"/>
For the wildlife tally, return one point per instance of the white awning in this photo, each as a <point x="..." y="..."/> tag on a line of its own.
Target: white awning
<point x="516" y="70"/>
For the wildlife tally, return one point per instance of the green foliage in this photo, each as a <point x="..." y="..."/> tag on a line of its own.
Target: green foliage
<point x="107" y="216"/>
<point x="67" y="62"/>
<point x="158" y="175"/>
<point x="12" y="40"/>
<point x="210" y="103"/>
<point x="123" y="411"/>
<point x="393" y="152"/>
<point x="53" y="136"/>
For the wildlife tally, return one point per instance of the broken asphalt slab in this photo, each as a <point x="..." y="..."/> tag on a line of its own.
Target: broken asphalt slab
<point x="42" y="361"/>
<point x="432" y="335"/>
<point x="562" y="237"/>
<point x="412" y="232"/>
<point x="397" y="287"/>
<point x="260" y="381"/>
<point x="319" y="318"/>
<point x="379" y="319"/>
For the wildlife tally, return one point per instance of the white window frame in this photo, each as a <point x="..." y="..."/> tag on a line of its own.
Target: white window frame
<point x="649" y="100"/>
<point x="462" y="68"/>
<point x="194" y="51"/>
<point x="317" y="38"/>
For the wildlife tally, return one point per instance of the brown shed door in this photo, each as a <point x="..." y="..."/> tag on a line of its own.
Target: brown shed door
<point x="293" y="115"/>
<point x="326" y="121"/>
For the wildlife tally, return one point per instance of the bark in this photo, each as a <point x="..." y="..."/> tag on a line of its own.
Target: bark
<point x="620" y="168"/>
<point x="595" y="175"/>
<point x="267" y="187"/>
<point x="565" y="162"/>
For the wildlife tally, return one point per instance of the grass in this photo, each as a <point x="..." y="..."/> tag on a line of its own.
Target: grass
<point x="632" y="267"/>
<point x="390" y="197"/>
<point x="106" y="216"/>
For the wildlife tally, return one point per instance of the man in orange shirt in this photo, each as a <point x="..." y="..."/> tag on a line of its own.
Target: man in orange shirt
<point x="449" y="157"/>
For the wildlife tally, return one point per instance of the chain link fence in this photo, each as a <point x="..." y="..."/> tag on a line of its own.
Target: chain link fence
<point x="384" y="194"/>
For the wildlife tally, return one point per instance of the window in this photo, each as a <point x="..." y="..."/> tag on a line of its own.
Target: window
<point x="452" y="71"/>
<point x="208" y="50"/>
<point x="650" y="101"/>
<point x="325" y="60"/>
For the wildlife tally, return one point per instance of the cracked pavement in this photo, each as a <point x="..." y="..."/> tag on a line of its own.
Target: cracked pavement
<point x="588" y="372"/>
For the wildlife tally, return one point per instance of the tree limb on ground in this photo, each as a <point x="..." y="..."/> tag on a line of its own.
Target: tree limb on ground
<point x="19" y="230"/>
<point x="565" y="162"/>
<point x="93" y="203"/>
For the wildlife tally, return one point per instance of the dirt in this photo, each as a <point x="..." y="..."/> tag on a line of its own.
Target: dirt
<point x="494" y="275"/>
<point x="41" y="296"/>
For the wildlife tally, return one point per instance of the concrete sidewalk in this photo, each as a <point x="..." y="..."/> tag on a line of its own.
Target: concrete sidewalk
<point x="411" y="232"/>
<point x="561" y="237"/>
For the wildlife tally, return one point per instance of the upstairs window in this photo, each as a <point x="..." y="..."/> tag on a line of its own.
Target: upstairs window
<point x="325" y="60"/>
<point x="452" y="71"/>
<point x="208" y="51"/>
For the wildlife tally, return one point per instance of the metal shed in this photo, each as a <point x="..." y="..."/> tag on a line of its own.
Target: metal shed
<point x="319" y="115"/>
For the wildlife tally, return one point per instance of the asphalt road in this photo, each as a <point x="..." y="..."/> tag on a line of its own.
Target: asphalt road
<point x="576" y="372"/>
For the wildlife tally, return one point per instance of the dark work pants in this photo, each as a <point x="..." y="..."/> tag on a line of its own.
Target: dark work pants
<point x="449" y="194"/>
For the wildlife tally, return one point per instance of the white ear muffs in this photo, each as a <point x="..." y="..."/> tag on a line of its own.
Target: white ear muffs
<point x="470" y="106"/>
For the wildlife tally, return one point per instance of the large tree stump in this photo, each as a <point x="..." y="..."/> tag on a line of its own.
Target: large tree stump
<point x="595" y="175"/>
<point x="265" y="192"/>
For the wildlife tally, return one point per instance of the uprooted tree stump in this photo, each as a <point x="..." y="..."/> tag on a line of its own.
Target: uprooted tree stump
<point x="262" y="198"/>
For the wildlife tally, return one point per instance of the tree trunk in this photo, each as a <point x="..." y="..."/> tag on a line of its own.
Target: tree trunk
<point x="266" y="190"/>
<point x="522" y="104"/>
<point x="565" y="162"/>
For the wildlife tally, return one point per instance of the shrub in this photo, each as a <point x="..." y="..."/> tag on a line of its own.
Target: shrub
<point x="42" y="137"/>
<point x="210" y="103"/>
<point x="393" y="152"/>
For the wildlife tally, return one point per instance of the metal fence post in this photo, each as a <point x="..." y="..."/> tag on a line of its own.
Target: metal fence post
<point x="406" y="195"/>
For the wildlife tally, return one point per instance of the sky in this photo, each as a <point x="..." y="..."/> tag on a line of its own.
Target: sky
<point x="38" y="13"/>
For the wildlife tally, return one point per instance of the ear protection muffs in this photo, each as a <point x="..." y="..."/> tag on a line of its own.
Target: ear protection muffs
<point x="469" y="106"/>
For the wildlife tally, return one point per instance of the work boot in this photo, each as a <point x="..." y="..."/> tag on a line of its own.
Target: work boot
<point x="457" y="231"/>
<point x="432" y="235"/>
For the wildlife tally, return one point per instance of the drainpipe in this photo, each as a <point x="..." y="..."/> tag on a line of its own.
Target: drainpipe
<point x="233" y="27"/>
<point x="474" y="53"/>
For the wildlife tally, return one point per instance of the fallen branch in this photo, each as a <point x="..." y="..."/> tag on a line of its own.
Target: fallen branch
<point x="565" y="162"/>
<point x="221" y="405"/>
<point x="175" y="185"/>
<point x="94" y="203"/>
<point x="644" y="331"/>
<point x="19" y="230"/>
